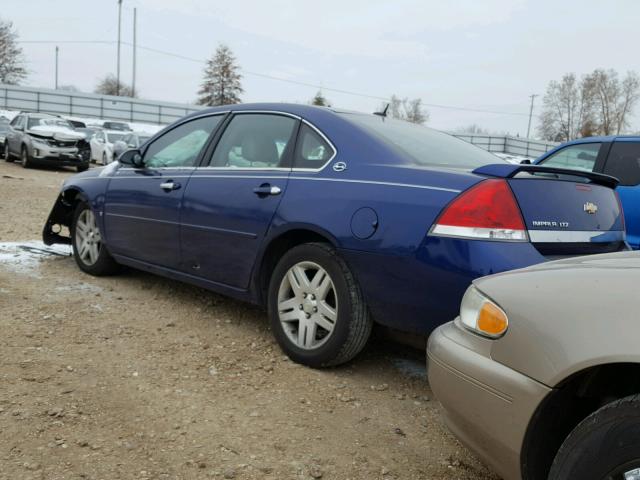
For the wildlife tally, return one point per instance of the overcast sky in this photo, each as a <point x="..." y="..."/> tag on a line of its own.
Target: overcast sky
<point x="476" y="54"/>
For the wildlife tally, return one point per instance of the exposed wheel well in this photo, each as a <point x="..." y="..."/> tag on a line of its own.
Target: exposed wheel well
<point x="61" y="216"/>
<point x="567" y="405"/>
<point x="276" y="249"/>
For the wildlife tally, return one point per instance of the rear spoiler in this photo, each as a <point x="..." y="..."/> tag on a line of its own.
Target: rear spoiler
<point x="508" y="170"/>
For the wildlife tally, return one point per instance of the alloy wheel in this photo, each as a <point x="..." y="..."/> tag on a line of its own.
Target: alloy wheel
<point x="88" y="239"/>
<point x="307" y="305"/>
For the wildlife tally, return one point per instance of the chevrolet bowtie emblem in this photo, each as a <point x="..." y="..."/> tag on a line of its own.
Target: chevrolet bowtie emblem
<point x="590" y="208"/>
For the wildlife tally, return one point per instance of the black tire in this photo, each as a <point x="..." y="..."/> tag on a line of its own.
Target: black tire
<point x="602" y="446"/>
<point x="105" y="264"/>
<point x="5" y="153"/>
<point x="104" y="158"/>
<point x="353" y="323"/>
<point x="24" y="156"/>
<point x="83" y="168"/>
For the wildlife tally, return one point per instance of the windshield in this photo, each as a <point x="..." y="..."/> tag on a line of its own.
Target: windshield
<point x="114" y="137"/>
<point x="425" y="146"/>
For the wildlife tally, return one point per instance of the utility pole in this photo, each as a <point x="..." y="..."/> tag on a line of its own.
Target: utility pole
<point x="57" y="49"/>
<point x="133" y="80"/>
<point x="119" y="26"/>
<point x="532" y="97"/>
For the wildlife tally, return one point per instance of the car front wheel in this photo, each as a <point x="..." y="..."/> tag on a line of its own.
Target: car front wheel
<point x="604" y="446"/>
<point x="5" y="153"/>
<point x="24" y="155"/>
<point x="88" y="249"/>
<point x="316" y="308"/>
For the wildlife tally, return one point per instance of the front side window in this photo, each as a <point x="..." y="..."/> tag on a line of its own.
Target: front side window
<point x="312" y="151"/>
<point x="624" y="163"/>
<point x="17" y="122"/>
<point x="254" y="141"/>
<point x="577" y="157"/>
<point x="114" y="137"/>
<point x="181" y="146"/>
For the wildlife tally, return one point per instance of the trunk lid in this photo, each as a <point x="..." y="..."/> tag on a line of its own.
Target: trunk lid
<point x="566" y="212"/>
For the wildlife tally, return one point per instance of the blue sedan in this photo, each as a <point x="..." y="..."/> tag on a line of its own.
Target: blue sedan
<point x="331" y="220"/>
<point x="616" y="156"/>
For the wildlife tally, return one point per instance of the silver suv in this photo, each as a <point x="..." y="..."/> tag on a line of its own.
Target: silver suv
<point x="38" y="138"/>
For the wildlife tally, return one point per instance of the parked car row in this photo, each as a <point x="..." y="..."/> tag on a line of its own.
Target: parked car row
<point x="64" y="142"/>
<point x="38" y="138"/>
<point x="335" y="221"/>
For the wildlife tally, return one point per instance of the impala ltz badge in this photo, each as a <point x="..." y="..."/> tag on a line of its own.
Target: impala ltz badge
<point x="590" y="208"/>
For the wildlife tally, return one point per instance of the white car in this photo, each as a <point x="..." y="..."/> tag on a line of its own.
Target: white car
<point x="102" y="145"/>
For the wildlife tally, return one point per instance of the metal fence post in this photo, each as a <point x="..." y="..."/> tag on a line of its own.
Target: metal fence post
<point x="37" y="101"/>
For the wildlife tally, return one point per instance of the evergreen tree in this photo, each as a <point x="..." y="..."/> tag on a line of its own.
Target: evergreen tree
<point x="320" y="100"/>
<point x="12" y="69"/>
<point x="221" y="84"/>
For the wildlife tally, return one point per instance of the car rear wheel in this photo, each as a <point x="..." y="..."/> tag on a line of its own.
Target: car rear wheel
<point x="24" y="156"/>
<point x="316" y="308"/>
<point x="88" y="249"/>
<point x="606" y="445"/>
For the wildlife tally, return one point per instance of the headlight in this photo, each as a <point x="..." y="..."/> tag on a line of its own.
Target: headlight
<point x="39" y="141"/>
<point x="481" y="315"/>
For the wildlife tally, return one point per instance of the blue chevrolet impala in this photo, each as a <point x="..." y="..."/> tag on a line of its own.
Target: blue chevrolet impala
<point x="331" y="220"/>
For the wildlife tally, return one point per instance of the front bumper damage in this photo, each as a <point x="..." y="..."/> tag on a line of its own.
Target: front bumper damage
<point x="59" y="217"/>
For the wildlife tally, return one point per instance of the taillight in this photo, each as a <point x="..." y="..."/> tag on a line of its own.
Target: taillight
<point x="487" y="211"/>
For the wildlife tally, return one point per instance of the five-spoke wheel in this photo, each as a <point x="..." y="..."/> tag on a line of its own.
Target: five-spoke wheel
<point x="317" y="311"/>
<point x="307" y="305"/>
<point x="88" y="249"/>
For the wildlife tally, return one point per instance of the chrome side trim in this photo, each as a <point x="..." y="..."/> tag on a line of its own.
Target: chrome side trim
<point x="576" y="236"/>
<point x="374" y="182"/>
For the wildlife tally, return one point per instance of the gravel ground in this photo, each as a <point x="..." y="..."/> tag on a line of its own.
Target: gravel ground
<point x="136" y="376"/>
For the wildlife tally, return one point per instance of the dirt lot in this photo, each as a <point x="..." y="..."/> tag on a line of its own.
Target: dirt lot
<point x="140" y="377"/>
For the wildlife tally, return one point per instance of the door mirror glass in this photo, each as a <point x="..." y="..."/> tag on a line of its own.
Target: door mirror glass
<point x="132" y="158"/>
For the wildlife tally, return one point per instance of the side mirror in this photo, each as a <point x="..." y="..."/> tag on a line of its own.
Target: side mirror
<point x="526" y="161"/>
<point x="132" y="158"/>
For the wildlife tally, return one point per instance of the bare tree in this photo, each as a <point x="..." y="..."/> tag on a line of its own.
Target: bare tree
<point x="320" y="100"/>
<point x="614" y="99"/>
<point x="109" y="86"/>
<point x="408" y="110"/>
<point x="568" y="109"/>
<point x="221" y="84"/>
<point x="12" y="70"/>
<point x="472" y="129"/>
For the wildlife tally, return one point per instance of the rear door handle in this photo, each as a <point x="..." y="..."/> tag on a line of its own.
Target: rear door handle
<point x="267" y="189"/>
<point x="169" y="185"/>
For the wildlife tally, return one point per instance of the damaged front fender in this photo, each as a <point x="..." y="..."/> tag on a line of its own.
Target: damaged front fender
<point x="61" y="216"/>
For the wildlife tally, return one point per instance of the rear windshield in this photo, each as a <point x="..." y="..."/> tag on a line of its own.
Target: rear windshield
<point x="426" y="147"/>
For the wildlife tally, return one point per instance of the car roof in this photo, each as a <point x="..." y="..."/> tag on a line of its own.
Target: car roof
<point x="606" y="138"/>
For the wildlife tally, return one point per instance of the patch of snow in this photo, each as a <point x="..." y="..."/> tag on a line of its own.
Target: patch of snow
<point x="25" y="257"/>
<point x="511" y="158"/>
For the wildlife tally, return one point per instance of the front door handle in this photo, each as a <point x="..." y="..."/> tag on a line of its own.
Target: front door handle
<point x="169" y="185"/>
<point x="267" y="189"/>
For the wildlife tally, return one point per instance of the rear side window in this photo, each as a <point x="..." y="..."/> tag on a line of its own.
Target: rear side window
<point x="312" y="151"/>
<point x="577" y="157"/>
<point x="254" y="141"/>
<point x="624" y="163"/>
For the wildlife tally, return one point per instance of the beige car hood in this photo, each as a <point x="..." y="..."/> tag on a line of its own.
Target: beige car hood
<point x="568" y="315"/>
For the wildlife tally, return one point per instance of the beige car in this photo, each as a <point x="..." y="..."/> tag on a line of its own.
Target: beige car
<point x="540" y="373"/>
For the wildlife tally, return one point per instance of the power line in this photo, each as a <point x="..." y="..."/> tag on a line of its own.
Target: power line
<point x="281" y="79"/>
